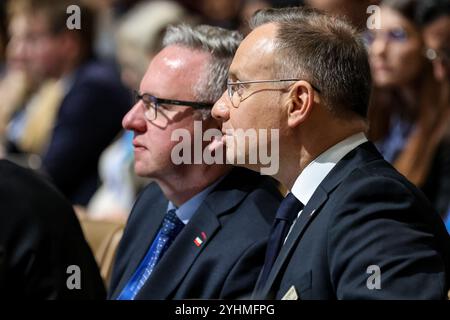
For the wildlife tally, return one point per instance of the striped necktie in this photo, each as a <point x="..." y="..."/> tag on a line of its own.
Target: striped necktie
<point x="286" y="214"/>
<point x="170" y="228"/>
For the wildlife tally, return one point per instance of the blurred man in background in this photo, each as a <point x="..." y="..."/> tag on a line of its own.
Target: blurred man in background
<point x="88" y="98"/>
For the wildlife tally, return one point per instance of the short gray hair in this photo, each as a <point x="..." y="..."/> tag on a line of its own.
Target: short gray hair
<point x="324" y="50"/>
<point x="220" y="43"/>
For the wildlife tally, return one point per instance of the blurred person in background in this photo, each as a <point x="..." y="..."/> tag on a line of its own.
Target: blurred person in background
<point x="93" y="100"/>
<point x="2" y="34"/>
<point x="434" y="17"/>
<point x="108" y="14"/>
<point x="138" y="38"/>
<point x="248" y="8"/>
<point x="17" y="82"/>
<point x="232" y="14"/>
<point x="409" y="114"/>
<point x="355" y="11"/>
<point x="286" y="3"/>
<point x="221" y="13"/>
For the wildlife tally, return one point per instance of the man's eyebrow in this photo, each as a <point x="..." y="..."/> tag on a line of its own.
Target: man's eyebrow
<point x="235" y="74"/>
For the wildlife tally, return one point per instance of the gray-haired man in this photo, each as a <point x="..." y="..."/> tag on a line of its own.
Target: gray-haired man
<point x="200" y="230"/>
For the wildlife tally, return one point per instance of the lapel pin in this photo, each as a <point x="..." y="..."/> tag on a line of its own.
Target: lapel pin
<point x="198" y="242"/>
<point x="312" y="213"/>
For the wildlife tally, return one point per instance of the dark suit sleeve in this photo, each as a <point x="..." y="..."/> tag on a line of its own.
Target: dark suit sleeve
<point x="391" y="231"/>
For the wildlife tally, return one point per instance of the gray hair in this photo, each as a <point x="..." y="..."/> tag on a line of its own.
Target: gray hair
<point x="220" y="43"/>
<point x="324" y="50"/>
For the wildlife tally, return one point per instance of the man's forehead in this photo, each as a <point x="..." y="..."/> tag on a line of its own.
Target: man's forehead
<point x="175" y="64"/>
<point x="255" y="54"/>
<point x="178" y="58"/>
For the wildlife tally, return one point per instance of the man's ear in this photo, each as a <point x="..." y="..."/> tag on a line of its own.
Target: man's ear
<point x="301" y="103"/>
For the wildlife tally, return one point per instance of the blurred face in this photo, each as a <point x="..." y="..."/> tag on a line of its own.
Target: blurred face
<point x="354" y="10"/>
<point x="172" y="74"/>
<point x="220" y="9"/>
<point x="18" y="49"/>
<point x="247" y="10"/>
<point x="395" y="51"/>
<point x="437" y="37"/>
<point x="46" y="49"/>
<point x="253" y="106"/>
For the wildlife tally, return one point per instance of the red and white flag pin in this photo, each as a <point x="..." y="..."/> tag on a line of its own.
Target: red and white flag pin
<point x="199" y="241"/>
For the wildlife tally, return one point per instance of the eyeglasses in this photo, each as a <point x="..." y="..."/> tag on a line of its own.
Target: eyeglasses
<point x="151" y="104"/>
<point x="235" y="89"/>
<point x="397" y="35"/>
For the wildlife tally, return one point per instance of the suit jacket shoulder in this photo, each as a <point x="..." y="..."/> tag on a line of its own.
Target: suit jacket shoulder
<point x="367" y="233"/>
<point x="40" y="237"/>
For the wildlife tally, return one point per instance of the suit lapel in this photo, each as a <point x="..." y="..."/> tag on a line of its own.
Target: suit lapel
<point x="204" y="225"/>
<point x="152" y="214"/>
<point x="362" y="154"/>
<point x="309" y="212"/>
<point x="178" y="259"/>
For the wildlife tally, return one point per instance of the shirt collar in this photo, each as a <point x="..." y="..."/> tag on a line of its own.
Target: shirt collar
<point x="310" y="178"/>
<point x="187" y="209"/>
<point x="67" y="82"/>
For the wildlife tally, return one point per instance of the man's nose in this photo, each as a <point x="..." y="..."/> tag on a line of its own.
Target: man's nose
<point x="221" y="110"/>
<point x="134" y="119"/>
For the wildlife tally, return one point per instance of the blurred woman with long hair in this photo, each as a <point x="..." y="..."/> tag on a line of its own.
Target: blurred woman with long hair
<point x="409" y="115"/>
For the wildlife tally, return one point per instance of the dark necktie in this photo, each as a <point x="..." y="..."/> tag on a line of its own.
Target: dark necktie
<point x="170" y="228"/>
<point x="286" y="214"/>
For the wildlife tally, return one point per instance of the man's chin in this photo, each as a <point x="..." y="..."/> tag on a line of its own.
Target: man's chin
<point x="141" y="171"/>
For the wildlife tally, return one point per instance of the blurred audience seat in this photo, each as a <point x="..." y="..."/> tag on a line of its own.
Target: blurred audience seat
<point x="103" y="238"/>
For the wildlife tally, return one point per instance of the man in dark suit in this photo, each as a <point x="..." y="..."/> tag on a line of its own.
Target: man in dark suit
<point x="87" y="122"/>
<point x="232" y="223"/>
<point x="351" y="227"/>
<point x="200" y="230"/>
<point x="42" y="248"/>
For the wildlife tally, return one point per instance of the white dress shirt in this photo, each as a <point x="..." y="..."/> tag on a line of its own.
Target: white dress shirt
<point x="315" y="172"/>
